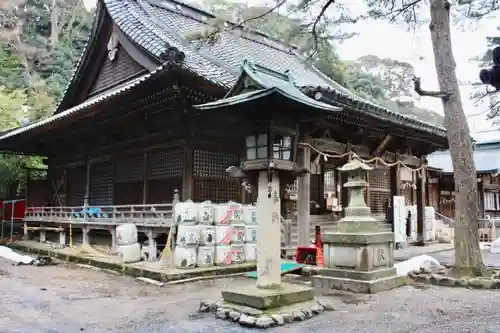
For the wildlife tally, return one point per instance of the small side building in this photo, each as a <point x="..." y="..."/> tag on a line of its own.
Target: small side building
<point x="442" y="187"/>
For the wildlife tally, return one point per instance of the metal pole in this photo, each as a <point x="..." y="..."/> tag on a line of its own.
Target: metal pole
<point x="12" y="220"/>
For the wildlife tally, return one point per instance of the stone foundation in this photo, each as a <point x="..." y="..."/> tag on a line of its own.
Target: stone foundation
<point x="251" y="317"/>
<point x="264" y="299"/>
<point x="359" y="262"/>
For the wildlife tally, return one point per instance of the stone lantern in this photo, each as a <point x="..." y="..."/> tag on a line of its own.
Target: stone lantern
<point x="270" y="159"/>
<point x="358" y="257"/>
<point x="357" y="214"/>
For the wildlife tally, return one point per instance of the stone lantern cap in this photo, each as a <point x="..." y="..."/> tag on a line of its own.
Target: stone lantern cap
<point x="354" y="165"/>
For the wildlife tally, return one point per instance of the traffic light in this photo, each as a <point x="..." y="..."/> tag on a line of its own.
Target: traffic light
<point x="491" y="76"/>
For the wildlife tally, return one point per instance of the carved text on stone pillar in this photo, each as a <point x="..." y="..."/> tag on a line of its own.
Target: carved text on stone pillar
<point x="275" y="219"/>
<point x="267" y="267"/>
<point x="380" y="257"/>
<point x="276" y="197"/>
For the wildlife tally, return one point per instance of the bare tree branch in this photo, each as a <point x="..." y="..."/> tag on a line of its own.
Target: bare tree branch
<point x="314" y="30"/>
<point x="437" y="94"/>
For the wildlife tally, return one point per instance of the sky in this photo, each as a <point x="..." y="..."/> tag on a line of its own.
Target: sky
<point x="394" y="41"/>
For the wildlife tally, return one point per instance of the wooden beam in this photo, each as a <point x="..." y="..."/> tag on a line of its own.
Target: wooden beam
<point x="303" y="199"/>
<point x="382" y="145"/>
<point x="338" y="148"/>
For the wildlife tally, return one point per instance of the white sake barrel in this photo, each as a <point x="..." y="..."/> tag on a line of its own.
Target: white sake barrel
<point x="126" y="234"/>
<point x="186" y="212"/>
<point x="237" y="233"/>
<point x="207" y="235"/>
<point x="223" y="255"/>
<point x="185" y="256"/>
<point x="236" y="213"/>
<point x="129" y="253"/>
<point x="250" y="234"/>
<point x="237" y="253"/>
<point x="206" y="256"/>
<point x="188" y="235"/>
<point x="222" y="214"/>
<point x="206" y="213"/>
<point x="251" y="252"/>
<point x="223" y="235"/>
<point x="249" y="215"/>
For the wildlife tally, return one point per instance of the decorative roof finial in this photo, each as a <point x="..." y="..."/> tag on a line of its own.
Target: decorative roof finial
<point x="172" y="55"/>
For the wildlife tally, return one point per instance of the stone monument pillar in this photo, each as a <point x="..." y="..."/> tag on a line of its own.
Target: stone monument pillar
<point x="268" y="292"/>
<point x="358" y="257"/>
<point x="268" y="232"/>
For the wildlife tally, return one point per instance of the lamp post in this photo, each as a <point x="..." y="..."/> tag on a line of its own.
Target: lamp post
<point x="270" y="160"/>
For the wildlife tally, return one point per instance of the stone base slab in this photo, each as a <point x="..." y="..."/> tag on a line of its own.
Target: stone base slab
<point x="359" y="275"/>
<point x="264" y="299"/>
<point x="366" y="238"/>
<point x="358" y="286"/>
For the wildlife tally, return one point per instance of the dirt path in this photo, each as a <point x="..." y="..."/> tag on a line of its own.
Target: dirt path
<point x="67" y="300"/>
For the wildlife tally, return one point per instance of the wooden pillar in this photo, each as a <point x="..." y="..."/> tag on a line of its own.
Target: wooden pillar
<point x="187" y="173"/>
<point x="87" y="185"/>
<point x="427" y="189"/>
<point x="421" y="181"/>
<point x="480" y="197"/>
<point x="145" y="178"/>
<point x="303" y="200"/>
<point x="395" y="191"/>
<point x="439" y="208"/>
<point x="344" y="191"/>
<point x="321" y="187"/>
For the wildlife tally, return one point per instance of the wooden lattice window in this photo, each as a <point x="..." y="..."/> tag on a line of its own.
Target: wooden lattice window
<point x="209" y="163"/>
<point x="379" y="192"/>
<point x="211" y="181"/>
<point x="129" y="169"/>
<point x="257" y="146"/>
<point x="166" y="163"/>
<point x="217" y="190"/>
<point x="101" y="184"/>
<point x="76" y="178"/>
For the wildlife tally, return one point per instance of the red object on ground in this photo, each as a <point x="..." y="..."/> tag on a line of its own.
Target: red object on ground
<point x="306" y="255"/>
<point x="311" y="255"/>
<point x="318" y="243"/>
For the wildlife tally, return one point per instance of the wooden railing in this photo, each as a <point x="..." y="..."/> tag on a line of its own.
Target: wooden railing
<point x="154" y="215"/>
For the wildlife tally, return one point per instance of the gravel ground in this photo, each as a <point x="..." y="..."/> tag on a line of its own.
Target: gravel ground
<point x="64" y="299"/>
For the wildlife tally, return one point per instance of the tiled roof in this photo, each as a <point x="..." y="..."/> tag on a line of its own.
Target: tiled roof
<point x="83" y="106"/>
<point x="269" y="83"/>
<point x="155" y="25"/>
<point x="486" y="158"/>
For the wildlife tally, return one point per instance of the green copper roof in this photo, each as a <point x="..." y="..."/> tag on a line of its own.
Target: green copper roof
<point x="266" y="83"/>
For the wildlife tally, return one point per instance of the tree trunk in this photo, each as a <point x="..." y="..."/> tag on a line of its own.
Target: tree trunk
<point x="468" y="257"/>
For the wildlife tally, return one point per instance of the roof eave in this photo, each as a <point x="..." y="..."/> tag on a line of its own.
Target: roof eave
<point x="99" y="17"/>
<point x="261" y="94"/>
